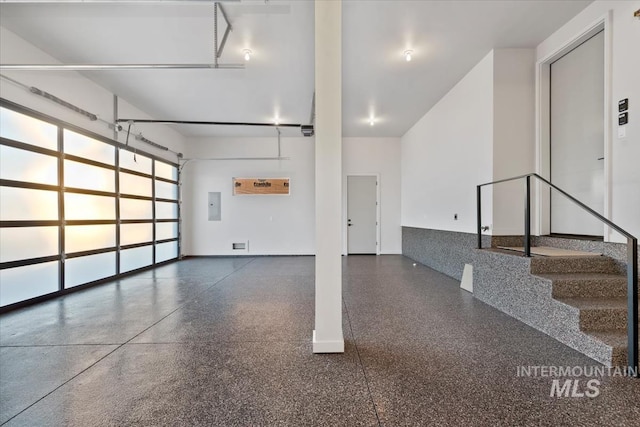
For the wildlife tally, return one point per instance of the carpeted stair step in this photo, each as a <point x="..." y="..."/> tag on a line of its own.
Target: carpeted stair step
<point x="550" y="265"/>
<point x="599" y="314"/>
<point x="587" y="285"/>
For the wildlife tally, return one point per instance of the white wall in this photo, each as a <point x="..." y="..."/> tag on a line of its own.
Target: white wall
<point x="513" y="135"/>
<point x="278" y="225"/>
<point x="624" y="82"/>
<point x="78" y="90"/>
<point x="273" y="225"/>
<point x="381" y="156"/>
<point x="447" y="153"/>
<point x="481" y="131"/>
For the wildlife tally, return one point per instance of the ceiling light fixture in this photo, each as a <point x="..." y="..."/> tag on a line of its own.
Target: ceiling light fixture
<point x="247" y="54"/>
<point x="371" y="121"/>
<point x="276" y="121"/>
<point x="408" y="54"/>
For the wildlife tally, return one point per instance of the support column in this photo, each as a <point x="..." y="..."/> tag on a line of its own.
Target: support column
<point x="327" y="336"/>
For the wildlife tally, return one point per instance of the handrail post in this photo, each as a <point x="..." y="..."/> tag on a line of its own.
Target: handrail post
<point x="632" y="306"/>
<point x="479" y="215"/>
<point x="527" y="218"/>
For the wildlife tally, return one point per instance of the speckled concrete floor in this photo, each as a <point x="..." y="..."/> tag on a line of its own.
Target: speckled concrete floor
<point x="226" y="341"/>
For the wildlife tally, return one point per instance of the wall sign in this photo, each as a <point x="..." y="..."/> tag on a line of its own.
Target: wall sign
<point x="260" y="186"/>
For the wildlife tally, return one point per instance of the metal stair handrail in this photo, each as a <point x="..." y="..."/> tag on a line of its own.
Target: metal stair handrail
<point x="632" y="256"/>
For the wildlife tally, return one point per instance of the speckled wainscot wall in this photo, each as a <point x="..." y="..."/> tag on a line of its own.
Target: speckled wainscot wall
<point x="447" y="251"/>
<point x="444" y="251"/>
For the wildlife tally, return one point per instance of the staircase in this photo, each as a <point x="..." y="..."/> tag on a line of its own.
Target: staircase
<point x="579" y="300"/>
<point x="588" y="322"/>
<point x="594" y="292"/>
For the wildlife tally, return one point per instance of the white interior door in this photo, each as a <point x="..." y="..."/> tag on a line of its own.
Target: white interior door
<point x="361" y="214"/>
<point x="577" y="137"/>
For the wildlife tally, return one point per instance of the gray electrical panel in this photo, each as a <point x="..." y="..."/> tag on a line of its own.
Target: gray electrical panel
<point x="215" y="208"/>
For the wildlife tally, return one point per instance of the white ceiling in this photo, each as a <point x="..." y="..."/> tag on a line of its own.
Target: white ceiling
<point x="448" y="38"/>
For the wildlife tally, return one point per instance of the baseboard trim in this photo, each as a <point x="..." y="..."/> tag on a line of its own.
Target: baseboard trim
<point x="333" y="346"/>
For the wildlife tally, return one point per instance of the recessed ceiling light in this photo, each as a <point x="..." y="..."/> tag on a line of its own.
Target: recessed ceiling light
<point x="408" y="54"/>
<point x="372" y="121"/>
<point x="276" y="121"/>
<point x="247" y="54"/>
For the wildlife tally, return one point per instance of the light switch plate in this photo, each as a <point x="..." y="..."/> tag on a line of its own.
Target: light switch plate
<point x="622" y="132"/>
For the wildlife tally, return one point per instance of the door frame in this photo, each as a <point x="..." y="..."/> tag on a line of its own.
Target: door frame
<point x="345" y="212"/>
<point x="542" y="213"/>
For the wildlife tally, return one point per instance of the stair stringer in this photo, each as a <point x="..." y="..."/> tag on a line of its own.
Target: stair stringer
<point x="505" y="282"/>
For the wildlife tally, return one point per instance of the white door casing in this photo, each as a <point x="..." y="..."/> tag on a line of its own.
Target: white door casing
<point x="542" y="198"/>
<point x="577" y="137"/>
